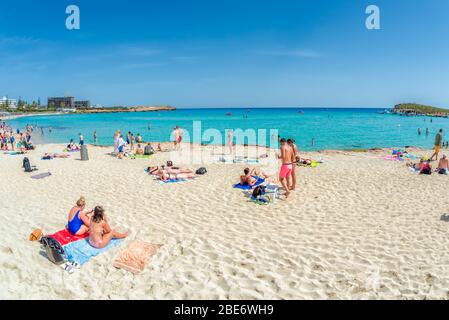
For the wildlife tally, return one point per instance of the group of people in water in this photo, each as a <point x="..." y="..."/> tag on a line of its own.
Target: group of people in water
<point x="94" y="222"/>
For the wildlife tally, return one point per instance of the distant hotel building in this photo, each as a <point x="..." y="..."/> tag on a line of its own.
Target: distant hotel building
<point x="82" y="104"/>
<point x="67" y="103"/>
<point x="10" y="103"/>
<point x="61" y="102"/>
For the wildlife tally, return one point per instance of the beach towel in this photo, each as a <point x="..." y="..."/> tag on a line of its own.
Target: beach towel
<point x="248" y="187"/>
<point x="393" y="158"/>
<point x="81" y="251"/>
<point x="64" y="237"/>
<point x="14" y="153"/>
<point x="41" y="176"/>
<point x="140" y="156"/>
<point x="173" y="181"/>
<point x="136" y="256"/>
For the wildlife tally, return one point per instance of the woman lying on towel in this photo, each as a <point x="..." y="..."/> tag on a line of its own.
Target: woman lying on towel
<point x="247" y="179"/>
<point x="101" y="232"/>
<point x="156" y="170"/>
<point x="49" y="156"/>
<point x="166" y="175"/>
<point x="79" y="221"/>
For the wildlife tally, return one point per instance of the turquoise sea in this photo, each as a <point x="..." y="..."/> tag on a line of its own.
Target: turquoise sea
<point x="330" y="128"/>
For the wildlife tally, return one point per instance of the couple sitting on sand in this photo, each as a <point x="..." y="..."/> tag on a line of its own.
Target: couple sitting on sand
<point x="147" y="151"/>
<point x="171" y="173"/>
<point x="248" y="179"/>
<point x="94" y="222"/>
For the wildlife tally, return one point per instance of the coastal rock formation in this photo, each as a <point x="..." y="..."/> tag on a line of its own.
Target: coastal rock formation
<point x="413" y="109"/>
<point x="127" y="109"/>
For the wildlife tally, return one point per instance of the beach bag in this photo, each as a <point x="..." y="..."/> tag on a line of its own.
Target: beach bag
<point x="35" y="235"/>
<point x="201" y="171"/>
<point x="426" y="170"/>
<point x="53" y="249"/>
<point x="259" y="191"/>
<point x="27" y="165"/>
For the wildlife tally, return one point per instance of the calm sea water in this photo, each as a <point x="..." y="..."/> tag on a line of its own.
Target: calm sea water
<point x="330" y="128"/>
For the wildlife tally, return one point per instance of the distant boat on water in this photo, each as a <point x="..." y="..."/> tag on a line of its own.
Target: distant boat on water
<point x="229" y="114"/>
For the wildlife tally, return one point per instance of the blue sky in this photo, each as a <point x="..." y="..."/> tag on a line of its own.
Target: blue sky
<point x="230" y="53"/>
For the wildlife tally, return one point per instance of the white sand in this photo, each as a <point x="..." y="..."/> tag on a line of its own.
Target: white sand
<point x="358" y="227"/>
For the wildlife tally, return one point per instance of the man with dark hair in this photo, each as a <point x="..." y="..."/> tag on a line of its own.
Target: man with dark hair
<point x="438" y="142"/>
<point x="295" y="149"/>
<point x="247" y="179"/>
<point x="285" y="174"/>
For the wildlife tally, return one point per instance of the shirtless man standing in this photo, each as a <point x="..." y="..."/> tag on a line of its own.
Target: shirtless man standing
<point x="296" y="158"/>
<point x="285" y="175"/>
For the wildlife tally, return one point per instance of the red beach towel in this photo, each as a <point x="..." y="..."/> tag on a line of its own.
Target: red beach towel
<point x="65" y="237"/>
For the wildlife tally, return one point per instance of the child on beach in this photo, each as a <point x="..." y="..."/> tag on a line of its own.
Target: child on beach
<point x="101" y="232"/>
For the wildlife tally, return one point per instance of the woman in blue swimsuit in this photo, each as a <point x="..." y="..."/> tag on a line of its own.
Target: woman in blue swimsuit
<point x="79" y="221"/>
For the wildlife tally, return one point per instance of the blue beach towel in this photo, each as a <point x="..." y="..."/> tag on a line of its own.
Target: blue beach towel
<point x="248" y="187"/>
<point x="81" y="251"/>
<point x="173" y="181"/>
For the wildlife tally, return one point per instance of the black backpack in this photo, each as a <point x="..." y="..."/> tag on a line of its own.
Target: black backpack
<point x="201" y="171"/>
<point x="54" y="250"/>
<point x="259" y="191"/>
<point x="27" y="165"/>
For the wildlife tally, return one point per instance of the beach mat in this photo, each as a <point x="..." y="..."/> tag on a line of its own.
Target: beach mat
<point x="64" y="237"/>
<point x="173" y="181"/>
<point x="41" y="176"/>
<point x="141" y="156"/>
<point x="248" y="187"/>
<point x="81" y="251"/>
<point x="136" y="256"/>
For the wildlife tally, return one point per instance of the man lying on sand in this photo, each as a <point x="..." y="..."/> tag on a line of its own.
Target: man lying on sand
<point x="247" y="179"/>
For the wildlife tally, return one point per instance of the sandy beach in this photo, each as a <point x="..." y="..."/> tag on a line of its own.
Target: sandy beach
<point x="358" y="227"/>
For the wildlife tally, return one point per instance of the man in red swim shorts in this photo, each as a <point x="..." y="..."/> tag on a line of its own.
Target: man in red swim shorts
<point x="285" y="175"/>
